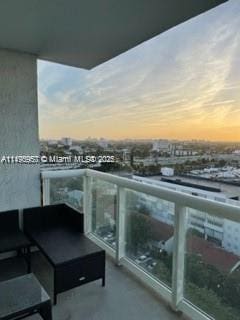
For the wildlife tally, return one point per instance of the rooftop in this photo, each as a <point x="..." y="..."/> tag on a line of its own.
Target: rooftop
<point x="227" y="190"/>
<point x="209" y="252"/>
<point x="212" y="255"/>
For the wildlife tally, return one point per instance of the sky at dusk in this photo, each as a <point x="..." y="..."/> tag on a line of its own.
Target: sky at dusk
<point x="182" y="84"/>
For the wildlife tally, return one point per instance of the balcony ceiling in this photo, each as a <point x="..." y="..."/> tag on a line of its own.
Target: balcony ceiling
<point x="85" y="33"/>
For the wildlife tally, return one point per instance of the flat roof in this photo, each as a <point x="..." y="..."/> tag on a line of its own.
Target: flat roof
<point x="227" y="189"/>
<point x="86" y="33"/>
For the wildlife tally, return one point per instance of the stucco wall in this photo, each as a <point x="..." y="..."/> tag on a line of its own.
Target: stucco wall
<point x="19" y="184"/>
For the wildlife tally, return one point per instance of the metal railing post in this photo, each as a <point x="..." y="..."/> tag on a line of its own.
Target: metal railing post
<point x="120" y="224"/>
<point x="87" y="203"/>
<point x="46" y="191"/>
<point x="180" y="226"/>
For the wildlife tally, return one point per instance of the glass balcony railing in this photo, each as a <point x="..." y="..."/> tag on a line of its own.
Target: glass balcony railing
<point x="68" y="190"/>
<point x="149" y="234"/>
<point x="186" y="248"/>
<point x="104" y="210"/>
<point x="212" y="274"/>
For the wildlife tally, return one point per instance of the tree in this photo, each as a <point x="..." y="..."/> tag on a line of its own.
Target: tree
<point x="209" y="302"/>
<point x="215" y="292"/>
<point x="222" y="163"/>
<point x="203" y="275"/>
<point x="58" y="187"/>
<point x="138" y="232"/>
<point x="143" y="209"/>
<point x="163" y="273"/>
<point x="231" y="289"/>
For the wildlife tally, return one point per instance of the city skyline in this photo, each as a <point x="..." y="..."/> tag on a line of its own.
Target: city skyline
<point x="139" y="139"/>
<point x="183" y="84"/>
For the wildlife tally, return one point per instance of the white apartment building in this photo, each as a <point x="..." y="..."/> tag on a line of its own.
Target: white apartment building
<point x="161" y="145"/>
<point x="168" y="172"/>
<point x="223" y="231"/>
<point x="52" y="142"/>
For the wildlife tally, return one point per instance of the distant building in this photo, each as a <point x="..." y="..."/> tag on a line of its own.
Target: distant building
<point x="211" y="254"/>
<point x="75" y="197"/>
<point x="161" y="146"/>
<point x="236" y="152"/>
<point x="52" y="142"/>
<point x="168" y="172"/>
<point x="182" y="150"/>
<point x="103" y="143"/>
<point x="76" y="148"/>
<point x="226" y="173"/>
<point x="67" y="142"/>
<point x="223" y="231"/>
<point x="183" y="153"/>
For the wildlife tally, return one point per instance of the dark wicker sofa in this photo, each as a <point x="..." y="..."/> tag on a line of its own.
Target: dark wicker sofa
<point x="11" y="236"/>
<point x="57" y="230"/>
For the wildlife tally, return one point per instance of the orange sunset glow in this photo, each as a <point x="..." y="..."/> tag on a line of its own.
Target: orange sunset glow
<point x="182" y="84"/>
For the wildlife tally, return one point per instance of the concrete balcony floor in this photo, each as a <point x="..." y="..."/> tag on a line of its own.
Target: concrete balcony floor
<point x="123" y="298"/>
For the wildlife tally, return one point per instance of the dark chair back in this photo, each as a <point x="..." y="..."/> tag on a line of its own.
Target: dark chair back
<point x="41" y="218"/>
<point x="9" y="221"/>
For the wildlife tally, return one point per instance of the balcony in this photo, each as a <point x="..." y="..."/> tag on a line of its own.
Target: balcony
<point x="147" y="230"/>
<point x="122" y="298"/>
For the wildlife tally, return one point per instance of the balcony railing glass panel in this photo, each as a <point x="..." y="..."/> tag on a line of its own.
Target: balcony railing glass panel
<point x="149" y="234"/>
<point x="212" y="270"/>
<point x="67" y="190"/>
<point x="104" y="208"/>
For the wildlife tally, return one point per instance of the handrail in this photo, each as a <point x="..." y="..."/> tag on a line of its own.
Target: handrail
<point x="212" y="207"/>
<point x="53" y="174"/>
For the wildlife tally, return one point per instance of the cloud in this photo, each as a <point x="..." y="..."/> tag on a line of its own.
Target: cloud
<point x="185" y="76"/>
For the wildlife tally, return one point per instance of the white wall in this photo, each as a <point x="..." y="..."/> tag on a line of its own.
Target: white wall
<point x="231" y="236"/>
<point x="19" y="184"/>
